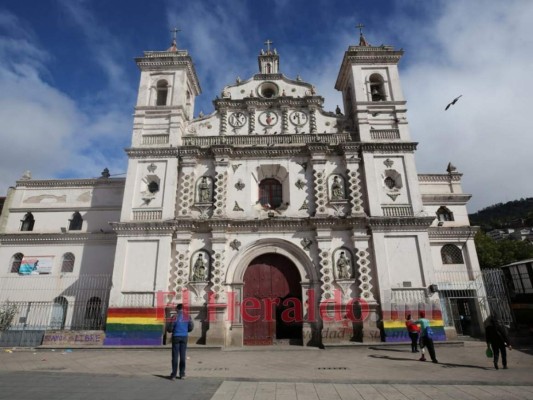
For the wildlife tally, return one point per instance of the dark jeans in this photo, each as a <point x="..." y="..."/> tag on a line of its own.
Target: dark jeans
<point x="179" y="350"/>
<point x="414" y="341"/>
<point x="428" y="342"/>
<point x="496" y="349"/>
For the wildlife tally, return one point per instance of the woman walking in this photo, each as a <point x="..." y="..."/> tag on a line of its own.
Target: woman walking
<point x="413" y="331"/>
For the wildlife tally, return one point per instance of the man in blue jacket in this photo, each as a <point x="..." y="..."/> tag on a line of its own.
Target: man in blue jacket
<point x="180" y="329"/>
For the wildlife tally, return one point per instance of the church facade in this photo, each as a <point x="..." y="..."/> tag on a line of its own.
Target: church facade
<point x="272" y="219"/>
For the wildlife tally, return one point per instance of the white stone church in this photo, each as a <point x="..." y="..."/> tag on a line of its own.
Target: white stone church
<point x="276" y="221"/>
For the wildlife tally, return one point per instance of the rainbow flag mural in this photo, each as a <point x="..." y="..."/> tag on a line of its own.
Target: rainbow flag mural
<point x="395" y="330"/>
<point x="134" y="327"/>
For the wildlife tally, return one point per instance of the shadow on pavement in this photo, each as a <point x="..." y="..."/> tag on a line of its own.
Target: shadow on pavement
<point x="445" y="365"/>
<point x="389" y="349"/>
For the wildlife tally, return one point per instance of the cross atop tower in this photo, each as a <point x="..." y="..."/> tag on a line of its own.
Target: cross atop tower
<point x="175" y="36"/>
<point x="268" y="43"/>
<point x="362" y="40"/>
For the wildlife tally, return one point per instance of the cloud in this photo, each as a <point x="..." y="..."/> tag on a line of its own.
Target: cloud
<point x="43" y="129"/>
<point x="482" y="52"/>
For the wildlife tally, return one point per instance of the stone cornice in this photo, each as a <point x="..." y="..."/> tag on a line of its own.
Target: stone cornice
<point x="64" y="207"/>
<point x="33" y="183"/>
<point x="452" y="233"/>
<point x="454" y="177"/>
<point x="56" y="238"/>
<point x="446" y="198"/>
<point x="274" y="224"/>
<point x="152" y="152"/>
<point x="267" y="140"/>
<point x="407" y="147"/>
<point x="388" y="224"/>
<point x="276" y="102"/>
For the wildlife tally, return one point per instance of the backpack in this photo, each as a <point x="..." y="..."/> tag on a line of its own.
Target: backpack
<point x="429" y="332"/>
<point x="190" y="326"/>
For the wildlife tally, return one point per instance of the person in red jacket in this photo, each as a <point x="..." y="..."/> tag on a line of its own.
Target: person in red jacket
<point x="413" y="330"/>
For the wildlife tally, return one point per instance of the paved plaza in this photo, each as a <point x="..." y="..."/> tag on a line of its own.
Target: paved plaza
<point x="359" y="372"/>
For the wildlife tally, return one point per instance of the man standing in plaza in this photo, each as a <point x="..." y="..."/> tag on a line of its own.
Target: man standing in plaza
<point x="180" y="329"/>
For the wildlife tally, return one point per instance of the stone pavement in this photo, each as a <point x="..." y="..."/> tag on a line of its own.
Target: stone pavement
<point x="375" y="372"/>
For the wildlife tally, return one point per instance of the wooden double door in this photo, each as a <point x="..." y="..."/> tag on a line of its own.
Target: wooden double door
<point x="269" y="281"/>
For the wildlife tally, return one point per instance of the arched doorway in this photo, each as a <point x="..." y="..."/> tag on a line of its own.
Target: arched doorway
<point x="59" y="313"/>
<point x="272" y="301"/>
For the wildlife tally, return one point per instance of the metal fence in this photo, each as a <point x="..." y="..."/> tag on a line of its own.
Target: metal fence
<point x="45" y="303"/>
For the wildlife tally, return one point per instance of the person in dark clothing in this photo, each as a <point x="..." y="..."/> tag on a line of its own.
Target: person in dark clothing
<point x="180" y="329"/>
<point x="497" y="339"/>
<point x="413" y="331"/>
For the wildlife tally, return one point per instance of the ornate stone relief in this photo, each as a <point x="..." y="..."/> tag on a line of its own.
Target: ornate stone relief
<point x="220" y="193"/>
<point x="299" y="184"/>
<point x="187" y="194"/>
<point x="235" y="167"/>
<point x="306" y="243"/>
<point x="304" y="206"/>
<point x="365" y="278"/>
<point x="236" y="207"/>
<point x="327" y="275"/>
<point x="151" y="168"/>
<point x="320" y="191"/>
<point x="217" y="276"/>
<point x="179" y="275"/>
<point x="235" y="244"/>
<point x="355" y="192"/>
<point x="240" y="185"/>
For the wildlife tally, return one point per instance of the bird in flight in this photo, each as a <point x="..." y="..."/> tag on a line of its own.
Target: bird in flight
<point x="453" y="102"/>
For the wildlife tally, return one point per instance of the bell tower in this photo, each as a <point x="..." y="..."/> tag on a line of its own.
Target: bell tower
<point x="374" y="103"/>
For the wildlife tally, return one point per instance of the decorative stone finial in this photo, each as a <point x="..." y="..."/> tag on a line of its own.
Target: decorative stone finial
<point x="451" y="168"/>
<point x="105" y="173"/>
<point x="26" y="176"/>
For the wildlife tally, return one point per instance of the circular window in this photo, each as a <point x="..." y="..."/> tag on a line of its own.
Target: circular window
<point x="268" y="90"/>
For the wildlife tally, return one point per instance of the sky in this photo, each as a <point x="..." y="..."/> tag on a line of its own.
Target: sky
<point x="68" y="80"/>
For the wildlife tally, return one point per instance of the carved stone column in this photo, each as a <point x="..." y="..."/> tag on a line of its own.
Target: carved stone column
<point x="355" y="193"/>
<point x="318" y="159"/>
<point x="186" y="186"/>
<point x="251" y="117"/>
<point x="221" y="180"/>
<point x="312" y="122"/>
<point x="285" y="119"/>
<point x="223" y="121"/>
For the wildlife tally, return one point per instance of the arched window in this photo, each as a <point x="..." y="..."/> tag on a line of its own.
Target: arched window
<point x="377" y="88"/>
<point x="75" y="222"/>
<point x="444" y="214"/>
<point x="451" y="254"/>
<point x="16" y="260"/>
<point x="27" y="222"/>
<point x="67" y="265"/>
<point x="270" y="193"/>
<point x="59" y="313"/>
<point x="162" y="92"/>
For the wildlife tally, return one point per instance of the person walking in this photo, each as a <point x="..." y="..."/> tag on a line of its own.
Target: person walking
<point x="425" y="339"/>
<point x="180" y="328"/>
<point x="497" y="339"/>
<point x="413" y="330"/>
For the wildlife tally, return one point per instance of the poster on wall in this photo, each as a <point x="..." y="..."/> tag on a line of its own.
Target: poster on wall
<point x="36" y="265"/>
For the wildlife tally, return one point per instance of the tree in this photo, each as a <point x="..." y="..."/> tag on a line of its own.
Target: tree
<point x="7" y="313"/>
<point x="492" y="253"/>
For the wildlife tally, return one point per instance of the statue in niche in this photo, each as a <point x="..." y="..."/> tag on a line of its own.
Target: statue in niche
<point x="337" y="189"/>
<point x="200" y="269"/>
<point x="204" y="191"/>
<point x="344" y="266"/>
